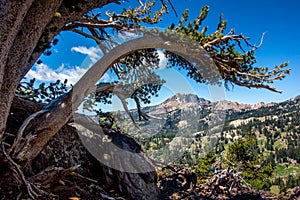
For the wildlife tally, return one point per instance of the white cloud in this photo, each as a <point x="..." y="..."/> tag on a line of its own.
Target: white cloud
<point x="92" y="52"/>
<point x="46" y="74"/>
<point x="162" y="60"/>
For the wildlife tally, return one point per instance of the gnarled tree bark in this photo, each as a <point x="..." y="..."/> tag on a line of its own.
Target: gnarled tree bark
<point x="28" y="26"/>
<point x="12" y="14"/>
<point x="36" y="19"/>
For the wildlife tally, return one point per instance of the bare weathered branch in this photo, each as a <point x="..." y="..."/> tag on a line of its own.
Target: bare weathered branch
<point x="254" y="47"/>
<point x="224" y="38"/>
<point x="78" y="24"/>
<point x="52" y="175"/>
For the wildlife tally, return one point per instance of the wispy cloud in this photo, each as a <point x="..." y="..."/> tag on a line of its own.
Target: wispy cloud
<point x="162" y="59"/>
<point x="45" y="74"/>
<point x="92" y="52"/>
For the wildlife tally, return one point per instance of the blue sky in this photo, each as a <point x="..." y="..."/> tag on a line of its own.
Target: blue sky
<point x="74" y="54"/>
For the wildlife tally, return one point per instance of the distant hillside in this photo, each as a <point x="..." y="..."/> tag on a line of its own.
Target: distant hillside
<point x="194" y="114"/>
<point x="185" y="127"/>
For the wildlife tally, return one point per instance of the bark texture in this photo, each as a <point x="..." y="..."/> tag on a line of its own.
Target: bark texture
<point x="12" y="14"/>
<point x="36" y="19"/>
<point x="30" y="26"/>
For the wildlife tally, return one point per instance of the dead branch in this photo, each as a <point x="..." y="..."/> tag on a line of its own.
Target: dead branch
<point x="138" y="105"/>
<point x="258" y="46"/>
<point x="124" y="103"/>
<point x="80" y="24"/>
<point x="113" y="88"/>
<point x="83" y="177"/>
<point x="223" y="39"/>
<point x="23" y="127"/>
<point x="52" y="175"/>
<point x="15" y="168"/>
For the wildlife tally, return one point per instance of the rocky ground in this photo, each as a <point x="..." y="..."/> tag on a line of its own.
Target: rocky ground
<point x="223" y="185"/>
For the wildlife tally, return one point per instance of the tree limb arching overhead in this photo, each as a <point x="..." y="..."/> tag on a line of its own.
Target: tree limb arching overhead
<point x="62" y="111"/>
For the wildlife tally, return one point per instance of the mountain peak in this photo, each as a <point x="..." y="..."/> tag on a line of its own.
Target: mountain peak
<point x="186" y="98"/>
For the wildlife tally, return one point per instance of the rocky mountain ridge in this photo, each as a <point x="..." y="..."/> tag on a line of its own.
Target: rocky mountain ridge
<point x="192" y="113"/>
<point x="180" y="99"/>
